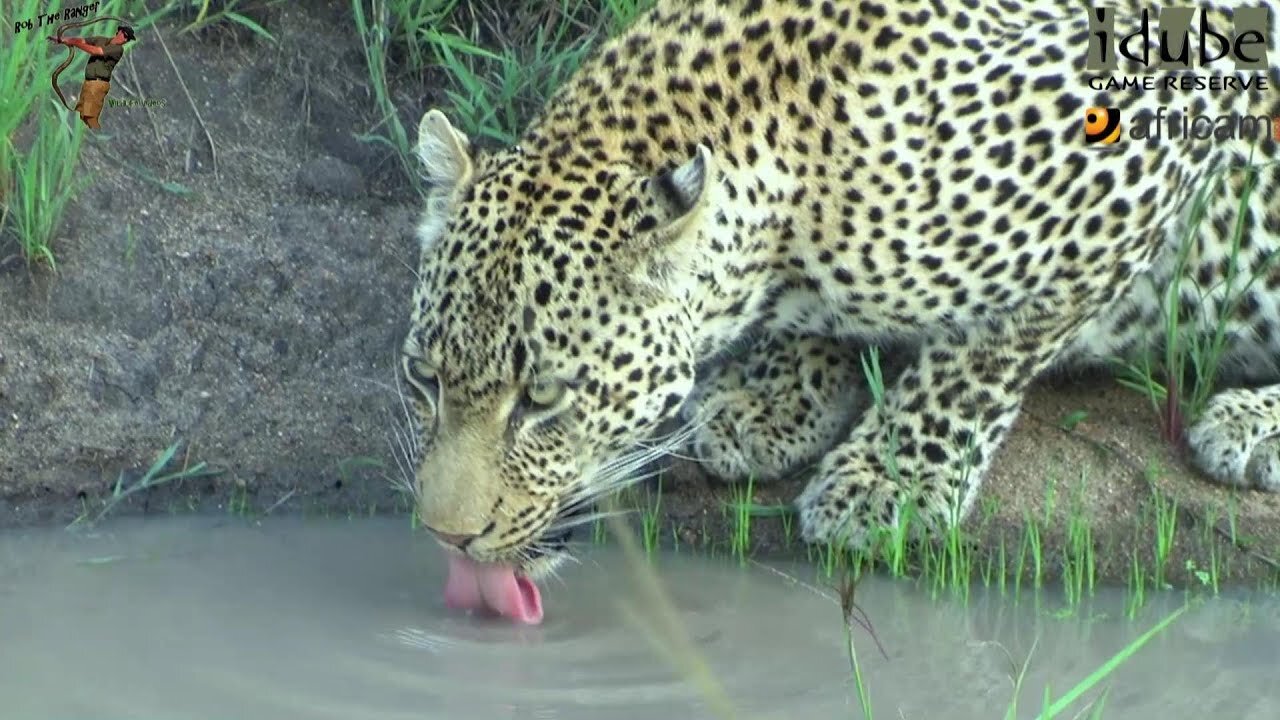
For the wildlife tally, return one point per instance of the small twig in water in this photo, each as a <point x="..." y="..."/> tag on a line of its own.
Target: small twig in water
<point x="853" y="613"/>
<point x="845" y="600"/>
<point x="283" y="499"/>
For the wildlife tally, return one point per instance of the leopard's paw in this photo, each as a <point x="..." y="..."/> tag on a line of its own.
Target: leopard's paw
<point x="854" y="502"/>
<point x="775" y="411"/>
<point x="1236" y="440"/>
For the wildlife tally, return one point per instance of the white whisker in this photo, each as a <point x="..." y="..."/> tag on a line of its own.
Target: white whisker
<point x="403" y="455"/>
<point x="601" y="485"/>
<point x="371" y="381"/>
<point x="577" y="521"/>
<point x="404" y="441"/>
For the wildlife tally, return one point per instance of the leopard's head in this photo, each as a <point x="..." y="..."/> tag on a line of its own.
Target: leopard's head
<point x="550" y="336"/>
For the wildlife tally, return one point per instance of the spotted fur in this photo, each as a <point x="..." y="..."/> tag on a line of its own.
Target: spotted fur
<point x="801" y="178"/>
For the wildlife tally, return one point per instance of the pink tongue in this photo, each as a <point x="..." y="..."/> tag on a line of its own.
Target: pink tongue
<point x="486" y="586"/>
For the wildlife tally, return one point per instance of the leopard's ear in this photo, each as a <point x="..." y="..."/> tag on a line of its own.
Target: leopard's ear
<point x="671" y="206"/>
<point x="444" y="152"/>
<point x="678" y="196"/>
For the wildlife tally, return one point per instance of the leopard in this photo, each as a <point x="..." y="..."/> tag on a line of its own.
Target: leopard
<point x="692" y="243"/>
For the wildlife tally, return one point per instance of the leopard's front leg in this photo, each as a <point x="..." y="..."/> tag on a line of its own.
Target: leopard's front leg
<point x="923" y="453"/>
<point x="782" y="403"/>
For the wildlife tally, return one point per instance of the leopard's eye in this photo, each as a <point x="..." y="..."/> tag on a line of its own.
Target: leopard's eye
<point x="544" y="395"/>
<point x="423" y="378"/>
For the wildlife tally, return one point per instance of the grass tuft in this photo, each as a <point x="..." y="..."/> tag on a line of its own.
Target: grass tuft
<point x="1180" y="384"/>
<point x="742" y="504"/>
<point x="493" y="93"/>
<point x="1057" y="707"/>
<point x="151" y="479"/>
<point x="389" y="131"/>
<point x="39" y="142"/>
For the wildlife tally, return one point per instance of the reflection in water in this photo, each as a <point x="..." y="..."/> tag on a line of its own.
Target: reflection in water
<point x="214" y="618"/>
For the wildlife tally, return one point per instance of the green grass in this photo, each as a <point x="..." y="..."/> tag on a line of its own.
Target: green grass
<point x="742" y="503"/>
<point x="238" y="503"/>
<point x="408" y="23"/>
<point x="1079" y="564"/>
<point x="1056" y="548"/>
<point x="39" y="141"/>
<point x="1054" y="708"/>
<point x="657" y="616"/>
<point x="191" y="17"/>
<point x="492" y="93"/>
<point x="154" y="477"/>
<point x="952" y="564"/>
<point x="1166" y="527"/>
<point x="599" y="532"/>
<point x="211" y="13"/>
<point x="1180" y="383"/>
<point x="1029" y="555"/>
<point x="1050" y="708"/>
<point x="645" y="505"/>
<point x="44" y="181"/>
<point x="651" y="521"/>
<point x="1208" y="574"/>
<point x="389" y="131"/>
<point x="538" y="46"/>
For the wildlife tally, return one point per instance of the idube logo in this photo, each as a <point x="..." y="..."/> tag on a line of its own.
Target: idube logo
<point x="1182" y="39"/>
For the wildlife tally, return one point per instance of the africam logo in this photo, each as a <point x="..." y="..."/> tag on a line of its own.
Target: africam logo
<point x="1102" y="125"/>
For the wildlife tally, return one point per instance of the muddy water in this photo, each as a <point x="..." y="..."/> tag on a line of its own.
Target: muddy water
<point x="218" y="618"/>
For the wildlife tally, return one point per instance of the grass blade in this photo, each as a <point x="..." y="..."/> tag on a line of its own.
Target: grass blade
<point x="1108" y="667"/>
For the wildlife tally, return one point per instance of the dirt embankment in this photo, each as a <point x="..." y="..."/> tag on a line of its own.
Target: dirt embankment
<point x="244" y="299"/>
<point x="247" y="301"/>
